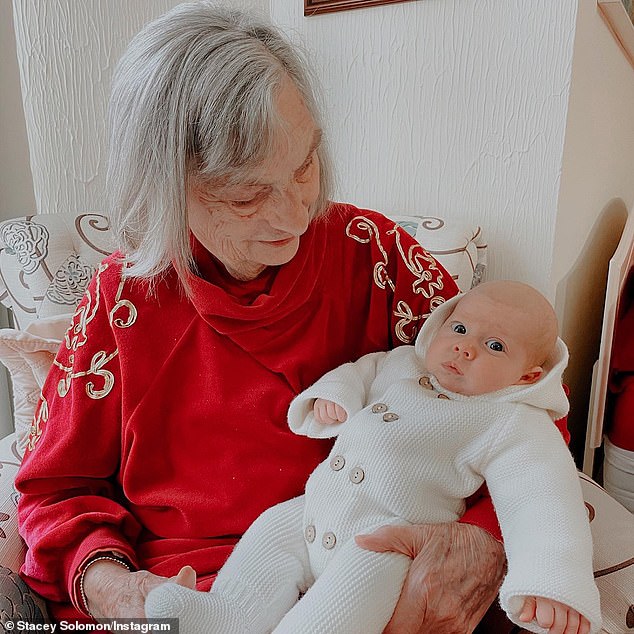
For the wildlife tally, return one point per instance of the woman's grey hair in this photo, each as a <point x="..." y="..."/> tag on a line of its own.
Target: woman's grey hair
<point x="194" y="100"/>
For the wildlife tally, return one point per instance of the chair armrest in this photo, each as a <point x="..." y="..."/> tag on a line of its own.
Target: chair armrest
<point x="612" y="527"/>
<point x="17" y="600"/>
<point x="12" y="548"/>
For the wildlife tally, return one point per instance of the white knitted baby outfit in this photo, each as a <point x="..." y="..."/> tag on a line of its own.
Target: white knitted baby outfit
<point x="410" y="452"/>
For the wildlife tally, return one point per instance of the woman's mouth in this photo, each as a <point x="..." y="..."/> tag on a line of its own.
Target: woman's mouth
<point x="279" y="243"/>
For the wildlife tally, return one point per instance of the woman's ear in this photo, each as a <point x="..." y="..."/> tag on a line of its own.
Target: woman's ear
<point x="531" y="376"/>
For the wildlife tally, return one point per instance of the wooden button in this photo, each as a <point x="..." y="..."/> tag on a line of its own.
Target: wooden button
<point x="328" y="541"/>
<point x="337" y="463"/>
<point x="356" y="475"/>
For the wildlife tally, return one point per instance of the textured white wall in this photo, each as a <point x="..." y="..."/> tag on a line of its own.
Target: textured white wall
<point x="451" y="107"/>
<point x="67" y="50"/>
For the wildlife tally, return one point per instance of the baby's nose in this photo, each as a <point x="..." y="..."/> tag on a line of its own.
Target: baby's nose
<point x="465" y="349"/>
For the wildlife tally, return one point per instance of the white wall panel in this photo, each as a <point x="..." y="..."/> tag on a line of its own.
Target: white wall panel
<point x="598" y="162"/>
<point x="451" y="107"/>
<point x="597" y="191"/>
<point x="67" y="50"/>
<point x="16" y="186"/>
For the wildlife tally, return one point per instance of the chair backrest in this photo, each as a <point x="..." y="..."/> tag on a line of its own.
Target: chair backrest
<point x="46" y="262"/>
<point x="619" y="269"/>
<point x="458" y="245"/>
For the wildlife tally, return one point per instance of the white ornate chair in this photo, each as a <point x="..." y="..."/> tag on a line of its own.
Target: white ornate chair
<point x="46" y="262"/>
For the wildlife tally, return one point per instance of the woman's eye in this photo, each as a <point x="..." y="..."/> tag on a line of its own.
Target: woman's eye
<point x="243" y="203"/>
<point x="495" y="345"/>
<point x="303" y="173"/>
<point x="459" y="328"/>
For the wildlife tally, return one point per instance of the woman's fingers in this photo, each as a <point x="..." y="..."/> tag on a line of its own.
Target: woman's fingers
<point x="441" y="594"/>
<point x="406" y="540"/>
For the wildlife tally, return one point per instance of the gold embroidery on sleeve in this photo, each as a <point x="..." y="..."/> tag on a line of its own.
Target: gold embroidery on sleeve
<point x="41" y="416"/>
<point x="381" y="278"/>
<point x="422" y="266"/>
<point x="428" y="279"/>
<point x="125" y="304"/>
<point x="76" y="337"/>
<point x="404" y="312"/>
<point x="100" y="380"/>
<point x="96" y="368"/>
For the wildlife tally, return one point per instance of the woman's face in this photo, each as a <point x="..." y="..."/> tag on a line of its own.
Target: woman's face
<point x="259" y="223"/>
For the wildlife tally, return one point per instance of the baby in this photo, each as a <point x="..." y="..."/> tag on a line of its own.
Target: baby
<point x="419" y="429"/>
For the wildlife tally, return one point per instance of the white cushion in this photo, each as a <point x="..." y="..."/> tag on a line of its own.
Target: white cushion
<point x="28" y="355"/>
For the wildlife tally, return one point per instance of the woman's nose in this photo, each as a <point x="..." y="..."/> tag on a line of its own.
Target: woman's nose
<point x="288" y="212"/>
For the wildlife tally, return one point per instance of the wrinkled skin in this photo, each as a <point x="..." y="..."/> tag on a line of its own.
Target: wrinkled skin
<point x="114" y="592"/>
<point x="455" y="575"/>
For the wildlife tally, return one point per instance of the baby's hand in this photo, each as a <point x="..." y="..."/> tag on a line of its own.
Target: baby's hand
<point x="328" y="413"/>
<point x="556" y="617"/>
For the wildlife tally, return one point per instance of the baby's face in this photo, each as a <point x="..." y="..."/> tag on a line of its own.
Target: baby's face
<point x="483" y="346"/>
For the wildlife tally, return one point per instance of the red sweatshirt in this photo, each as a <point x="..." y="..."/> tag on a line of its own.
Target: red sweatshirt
<point x="161" y="432"/>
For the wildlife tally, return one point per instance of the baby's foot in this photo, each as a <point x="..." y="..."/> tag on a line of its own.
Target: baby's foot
<point x="196" y="612"/>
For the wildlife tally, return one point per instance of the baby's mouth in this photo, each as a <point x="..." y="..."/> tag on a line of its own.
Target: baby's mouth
<point x="452" y="368"/>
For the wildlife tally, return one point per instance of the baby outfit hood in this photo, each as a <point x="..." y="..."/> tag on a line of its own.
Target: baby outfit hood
<point x="546" y="393"/>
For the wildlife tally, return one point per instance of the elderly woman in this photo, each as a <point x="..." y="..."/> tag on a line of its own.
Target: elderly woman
<point x="161" y="432"/>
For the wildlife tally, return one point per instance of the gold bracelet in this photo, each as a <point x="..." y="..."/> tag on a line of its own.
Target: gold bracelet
<point x="109" y="557"/>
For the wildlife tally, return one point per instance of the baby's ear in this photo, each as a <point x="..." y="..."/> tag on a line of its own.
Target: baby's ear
<point x="531" y="376"/>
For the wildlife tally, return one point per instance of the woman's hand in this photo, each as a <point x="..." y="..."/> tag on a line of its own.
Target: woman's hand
<point x="454" y="577"/>
<point x="113" y="592"/>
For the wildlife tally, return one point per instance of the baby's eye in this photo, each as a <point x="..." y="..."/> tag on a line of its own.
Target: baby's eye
<point x="459" y="328"/>
<point x="495" y="345"/>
